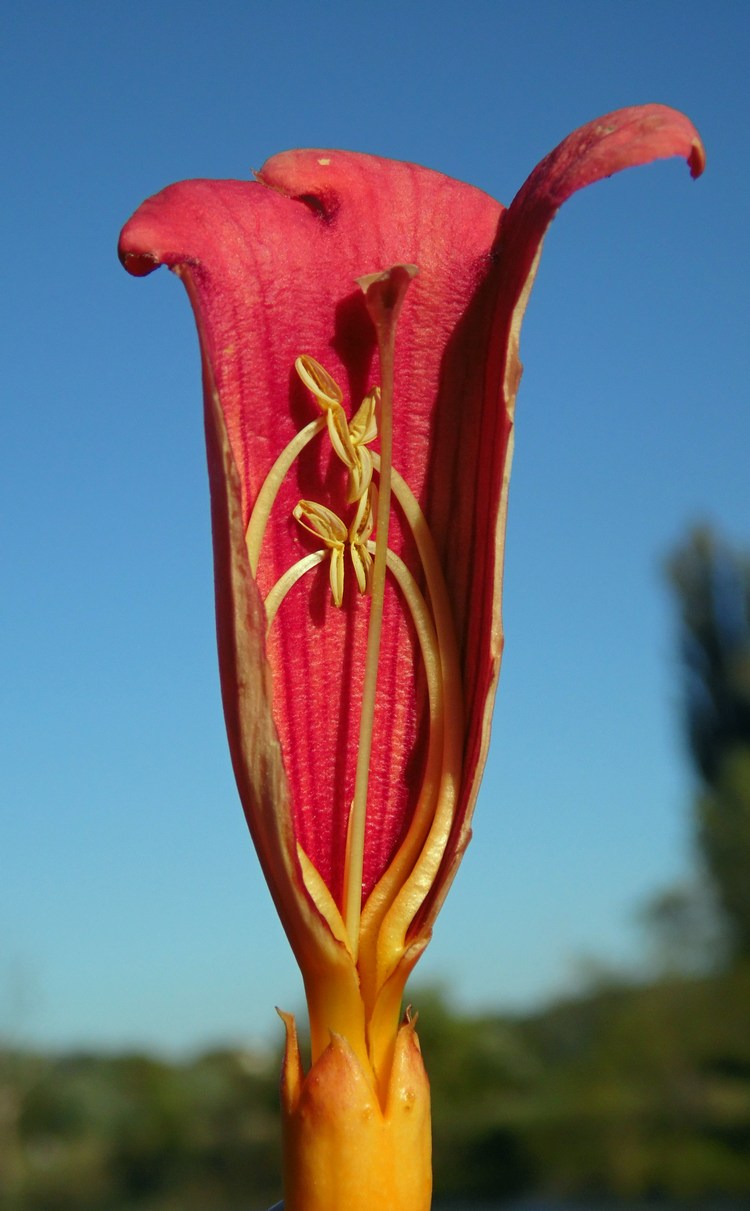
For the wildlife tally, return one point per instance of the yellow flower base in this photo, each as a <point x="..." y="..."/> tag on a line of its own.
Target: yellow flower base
<point x="343" y="1150"/>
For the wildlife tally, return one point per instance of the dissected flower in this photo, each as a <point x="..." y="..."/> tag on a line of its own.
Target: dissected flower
<point x="377" y="411"/>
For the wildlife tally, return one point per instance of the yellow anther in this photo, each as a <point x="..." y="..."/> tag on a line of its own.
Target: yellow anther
<point x="348" y="438"/>
<point x="338" y="431"/>
<point x="360" y="475"/>
<point x="360" y="531"/>
<point x="317" y="379"/>
<point x="356" y="457"/>
<point x="321" y="521"/>
<point x="324" y="524"/>
<point x="363" y="427"/>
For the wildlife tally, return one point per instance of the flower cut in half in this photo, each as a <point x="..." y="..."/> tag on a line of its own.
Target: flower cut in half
<point x="359" y="325"/>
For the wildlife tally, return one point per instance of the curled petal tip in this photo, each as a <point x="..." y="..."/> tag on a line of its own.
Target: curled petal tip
<point x="137" y="243"/>
<point x="139" y="264"/>
<point x="697" y="158"/>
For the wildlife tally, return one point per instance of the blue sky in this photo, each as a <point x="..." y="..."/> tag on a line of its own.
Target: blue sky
<point x="132" y="910"/>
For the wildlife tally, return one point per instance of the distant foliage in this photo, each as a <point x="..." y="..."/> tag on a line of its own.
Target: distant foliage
<point x="628" y="1092"/>
<point x="712" y="585"/>
<point x="95" y="1133"/>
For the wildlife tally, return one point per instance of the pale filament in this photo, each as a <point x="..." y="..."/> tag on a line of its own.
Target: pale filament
<point x="287" y="581"/>
<point x="397" y="896"/>
<point x="266" y="497"/>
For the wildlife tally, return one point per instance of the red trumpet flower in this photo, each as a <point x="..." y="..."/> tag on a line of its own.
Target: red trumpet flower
<point x="359" y="432"/>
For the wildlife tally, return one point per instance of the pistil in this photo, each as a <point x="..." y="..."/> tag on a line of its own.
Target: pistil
<point x="384" y="294"/>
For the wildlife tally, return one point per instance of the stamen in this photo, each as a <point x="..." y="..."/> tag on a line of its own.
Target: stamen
<point x="323" y="523"/>
<point x="363" y="427"/>
<point x="359" y="534"/>
<point x="317" y="379"/>
<point x="351" y="448"/>
<point x="338" y="431"/>
<point x="321" y="897"/>
<point x="348" y="438"/>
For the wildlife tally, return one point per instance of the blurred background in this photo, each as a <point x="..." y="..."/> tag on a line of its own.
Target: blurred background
<point x="585" y="1003"/>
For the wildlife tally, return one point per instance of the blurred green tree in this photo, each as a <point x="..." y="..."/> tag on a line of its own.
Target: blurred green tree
<point x="711" y="581"/>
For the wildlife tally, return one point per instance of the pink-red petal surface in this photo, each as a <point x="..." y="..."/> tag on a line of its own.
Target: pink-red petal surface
<point x="273" y="276"/>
